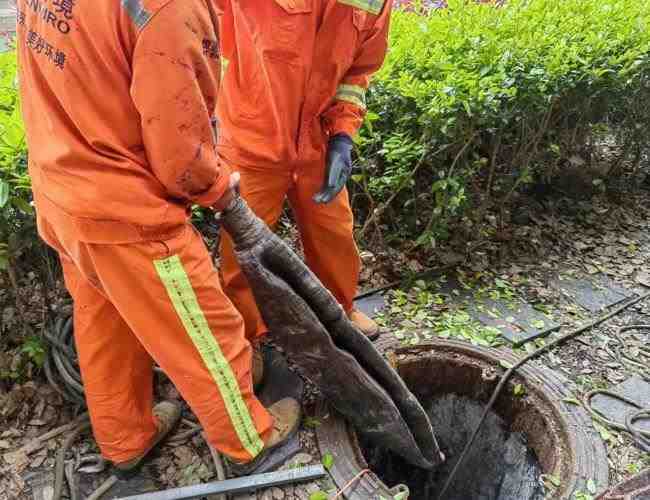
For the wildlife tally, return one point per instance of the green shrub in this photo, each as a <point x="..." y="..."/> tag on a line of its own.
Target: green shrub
<point x="16" y="213"/>
<point x="490" y="99"/>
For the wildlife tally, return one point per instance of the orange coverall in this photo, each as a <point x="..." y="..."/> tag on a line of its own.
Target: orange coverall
<point x="117" y="98"/>
<point x="297" y="74"/>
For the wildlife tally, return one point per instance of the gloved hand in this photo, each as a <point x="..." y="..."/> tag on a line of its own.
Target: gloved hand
<point x="231" y="193"/>
<point x="338" y="168"/>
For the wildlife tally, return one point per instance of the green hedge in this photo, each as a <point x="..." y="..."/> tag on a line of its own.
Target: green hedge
<point x="16" y="213"/>
<point x="476" y="101"/>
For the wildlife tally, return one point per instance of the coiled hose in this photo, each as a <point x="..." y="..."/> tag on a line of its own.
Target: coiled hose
<point x="61" y="366"/>
<point x="62" y="371"/>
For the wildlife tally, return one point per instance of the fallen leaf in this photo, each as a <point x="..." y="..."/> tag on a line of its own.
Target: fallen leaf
<point x="591" y="486"/>
<point x="605" y="435"/>
<point x="16" y="458"/>
<point x="554" y="480"/>
<point x="38" y="460"/>
<point x="642" y="278"/>
<point x="328" y="461"/>
<point x="538" y="324"/>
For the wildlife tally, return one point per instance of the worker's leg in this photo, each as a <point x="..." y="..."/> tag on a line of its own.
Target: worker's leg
<point x="327" y="235"/>
<point x="116" y="370"/>
<point x="265" y="191"/>
<point x="169" y="294"/>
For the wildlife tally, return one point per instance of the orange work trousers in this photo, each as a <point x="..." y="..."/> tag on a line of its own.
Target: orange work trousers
<point x="326" y="232"/>
<point x="162" y="301"/>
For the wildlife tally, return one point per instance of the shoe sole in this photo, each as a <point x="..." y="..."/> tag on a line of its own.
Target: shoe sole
<point x="248" y="469"/>
<point x="159" y="438"/>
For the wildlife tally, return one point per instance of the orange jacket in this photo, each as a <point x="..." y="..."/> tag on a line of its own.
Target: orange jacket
<point x="297" y="72"/>
<point x="117" y="97"/>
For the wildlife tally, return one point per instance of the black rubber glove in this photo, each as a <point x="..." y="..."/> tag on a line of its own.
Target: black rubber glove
<point x="338" y="168"/>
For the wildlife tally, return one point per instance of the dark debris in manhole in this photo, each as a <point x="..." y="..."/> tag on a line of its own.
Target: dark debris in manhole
<point x="500" y="466"/>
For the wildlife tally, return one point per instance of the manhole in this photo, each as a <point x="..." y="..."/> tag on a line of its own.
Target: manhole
<point x="533" y="434"/>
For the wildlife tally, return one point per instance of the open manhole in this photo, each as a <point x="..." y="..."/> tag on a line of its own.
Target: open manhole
<point x="533" y="437"/>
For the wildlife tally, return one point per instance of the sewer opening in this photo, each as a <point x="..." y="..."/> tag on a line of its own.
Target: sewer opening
<point x="517" y="444"/>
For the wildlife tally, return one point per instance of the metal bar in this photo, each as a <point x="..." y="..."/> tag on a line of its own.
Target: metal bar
<point x="238" y="485"/>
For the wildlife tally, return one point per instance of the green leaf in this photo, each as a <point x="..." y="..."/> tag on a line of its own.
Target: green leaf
<point x="505" y="364"/>
<point x="572" y="401"/>
<point x="555" y="481"/>
<point x="312" y="422"/>
<point x="318" y="495"/>
<point x="605" y="435"/>
<point x="23" y="205"/>
<point x="328" y="461"/>
<point x="591" y="486"/>
<point x="401" y="495"/>
<point x="4" y="193"/>
<point x="519" y="390"/>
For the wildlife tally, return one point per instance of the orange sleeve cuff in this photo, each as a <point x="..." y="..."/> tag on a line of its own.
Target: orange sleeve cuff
<point x="217" y="190"/>
<point x="344" y="118"/>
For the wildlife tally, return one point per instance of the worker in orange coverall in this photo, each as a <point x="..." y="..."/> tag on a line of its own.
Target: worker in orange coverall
<point x="293" y="97"/>
<point x="118" y="98"/>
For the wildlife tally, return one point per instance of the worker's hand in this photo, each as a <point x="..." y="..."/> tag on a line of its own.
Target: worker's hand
<point x="231" y="193"/>
<point x="338" y="168"/>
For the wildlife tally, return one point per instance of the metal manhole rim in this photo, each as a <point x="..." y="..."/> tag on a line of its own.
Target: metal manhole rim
<point x="587" y="452"/>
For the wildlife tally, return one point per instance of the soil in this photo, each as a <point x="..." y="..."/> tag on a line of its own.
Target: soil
<point x="560" y="236"/>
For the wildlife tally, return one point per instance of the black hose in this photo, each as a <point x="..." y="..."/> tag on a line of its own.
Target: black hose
<point x="641" y="437"/>
<point x="62" y="371"/>
<point x="427" y="273"/>
<point x="61" y="366"/>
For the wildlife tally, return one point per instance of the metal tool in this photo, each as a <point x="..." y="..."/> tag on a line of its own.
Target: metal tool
<point x="239" y="485"/>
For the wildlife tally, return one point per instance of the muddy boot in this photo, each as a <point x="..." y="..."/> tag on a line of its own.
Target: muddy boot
<point x="258" y="368"/>
<point x="168" y="415"/>
<point x="286" y="415"/>
<point x="367" y="326"/>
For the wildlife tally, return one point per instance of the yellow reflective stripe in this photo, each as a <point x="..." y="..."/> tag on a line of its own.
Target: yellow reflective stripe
<point x="224" y="65"/>
<point x="352" y="93"/>
<point x="182" y="295"/>
<point x="372" y="6"/>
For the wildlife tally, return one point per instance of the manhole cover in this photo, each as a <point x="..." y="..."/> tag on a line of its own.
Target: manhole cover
<point x="532" y="432"/>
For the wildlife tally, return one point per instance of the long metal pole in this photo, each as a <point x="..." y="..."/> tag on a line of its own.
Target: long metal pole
<point x="238" y="485"/>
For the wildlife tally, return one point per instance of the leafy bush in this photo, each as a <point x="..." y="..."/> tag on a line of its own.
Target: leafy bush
<point x="476" y="101"/>
<point x="16" y="213"/>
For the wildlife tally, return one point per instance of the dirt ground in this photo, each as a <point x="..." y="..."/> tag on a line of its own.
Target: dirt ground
<point x="567" y="237"/>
